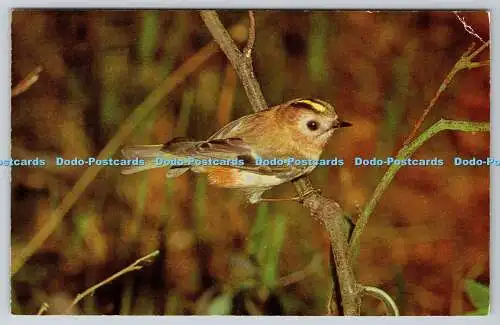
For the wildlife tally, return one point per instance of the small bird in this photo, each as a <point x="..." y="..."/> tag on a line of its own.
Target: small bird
<point x="298" y="129"/>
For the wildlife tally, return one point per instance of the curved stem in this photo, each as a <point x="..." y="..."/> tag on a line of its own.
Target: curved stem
<point x="405" y="153"/>
<point x="380" y="294"/>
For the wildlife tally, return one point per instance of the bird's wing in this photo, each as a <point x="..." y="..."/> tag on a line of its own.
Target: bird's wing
<point x="223" y="149"/>
<point x="235" y="127"/>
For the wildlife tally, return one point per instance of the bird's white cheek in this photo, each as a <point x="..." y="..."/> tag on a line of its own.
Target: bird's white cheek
<point x="325" y="136"/>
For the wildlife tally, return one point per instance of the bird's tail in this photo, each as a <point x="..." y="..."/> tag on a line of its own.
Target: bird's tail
<point x="150" y="154"/>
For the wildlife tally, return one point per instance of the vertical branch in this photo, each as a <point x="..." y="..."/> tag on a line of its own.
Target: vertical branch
<point x="247" y="51"/>
<point x="326" y="210"/>
<point x="331" y="216"/>
<point x="241" y="61"/>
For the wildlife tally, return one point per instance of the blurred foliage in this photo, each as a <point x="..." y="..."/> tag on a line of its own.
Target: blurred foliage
<point x="479" y="296"/>
<point x="219" y="255"/>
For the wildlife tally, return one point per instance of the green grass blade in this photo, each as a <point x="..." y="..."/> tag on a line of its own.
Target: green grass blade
<point x="149" y="35"/>
<point x="478" y="293"/>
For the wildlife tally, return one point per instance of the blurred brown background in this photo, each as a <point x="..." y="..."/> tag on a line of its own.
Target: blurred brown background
<point x="427" y="236"/>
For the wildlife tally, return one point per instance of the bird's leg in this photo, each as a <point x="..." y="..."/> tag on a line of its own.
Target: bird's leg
<point x="294" y="198"/>
<point x="298" y="198"/>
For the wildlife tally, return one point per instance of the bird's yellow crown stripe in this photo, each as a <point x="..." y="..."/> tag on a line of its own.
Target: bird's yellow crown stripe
<point x="314" y="105"/>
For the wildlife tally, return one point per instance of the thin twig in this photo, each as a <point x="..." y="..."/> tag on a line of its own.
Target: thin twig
<point x="139" y="113"/>
<point x="326" y="210"/>
<point x="247" y="51"/>
<point x="403" y="154"/>
<point x="465" y="62"/>
<point x="468" y="28"/>
<point x="380" y="294"/>
<point x="27" y="82"/>
<point x="132" y="267"/>
<point x="242" y="63"/>
<point x="43" y="308"/>
<point x="475" y="53"/>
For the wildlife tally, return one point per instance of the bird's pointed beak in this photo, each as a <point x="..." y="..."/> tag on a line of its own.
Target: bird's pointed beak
<point x="340" y="124"/>
<point x="344" y="124"/>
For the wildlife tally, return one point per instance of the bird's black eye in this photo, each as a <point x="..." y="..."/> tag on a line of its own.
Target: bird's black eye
<point x="312" y="125"/>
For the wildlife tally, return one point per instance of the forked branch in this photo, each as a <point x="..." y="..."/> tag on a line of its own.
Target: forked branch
<point x="241" y="61"/>
<point x="409" y="146"/>
<point x="465" y="62"/>
<point x="326" y="210"/>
